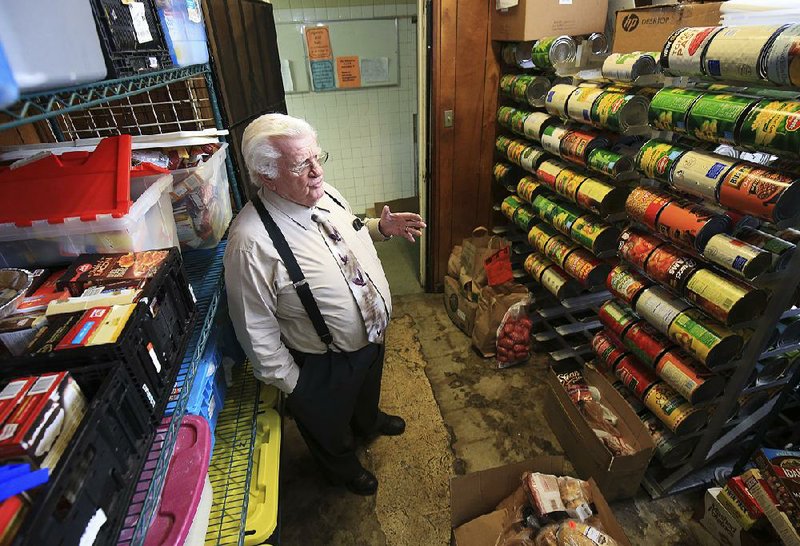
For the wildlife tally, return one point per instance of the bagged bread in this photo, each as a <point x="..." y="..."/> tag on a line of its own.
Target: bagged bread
<point x="575" y="533"/>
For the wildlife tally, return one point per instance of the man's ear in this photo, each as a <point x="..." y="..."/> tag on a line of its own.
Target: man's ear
<point x="267" y="181"/>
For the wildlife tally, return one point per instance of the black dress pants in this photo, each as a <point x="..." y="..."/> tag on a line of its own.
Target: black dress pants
<point x="336" y="396"/>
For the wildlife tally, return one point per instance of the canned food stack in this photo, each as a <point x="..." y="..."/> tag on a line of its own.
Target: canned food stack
<point x="563" y="55"/>
<point x="633" y="67"/>
<point x="620" y="109"/>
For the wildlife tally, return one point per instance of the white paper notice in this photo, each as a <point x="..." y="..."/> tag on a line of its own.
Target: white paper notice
<point x="286" y="75"/>
<point x="505" y="4"/>
<point x="375" y="70"/>
<point x="140" y="26"/>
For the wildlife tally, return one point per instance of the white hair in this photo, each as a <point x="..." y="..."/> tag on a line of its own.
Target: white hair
<point x="259" y="151"/>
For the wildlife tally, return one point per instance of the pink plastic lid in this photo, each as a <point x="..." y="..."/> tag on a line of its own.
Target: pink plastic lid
<point x="184" y="484"/>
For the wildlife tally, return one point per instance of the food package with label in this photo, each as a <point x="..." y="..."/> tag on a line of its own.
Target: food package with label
<point x="116" y="271"/>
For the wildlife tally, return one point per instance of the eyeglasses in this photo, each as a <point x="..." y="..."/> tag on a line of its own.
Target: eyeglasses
<point x="309" y="163"/>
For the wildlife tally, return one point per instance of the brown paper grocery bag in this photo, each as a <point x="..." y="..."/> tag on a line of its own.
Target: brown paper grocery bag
<point x="475" y="250"/>
<point x="493" y="303"/>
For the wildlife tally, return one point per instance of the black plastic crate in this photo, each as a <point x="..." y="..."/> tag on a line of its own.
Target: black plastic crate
<point x="151" y="346"/>
<point x="125" y="54"/>
<point x="99" y="468"/>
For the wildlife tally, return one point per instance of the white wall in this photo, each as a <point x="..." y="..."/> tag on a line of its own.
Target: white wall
<point x="368" y="132"/>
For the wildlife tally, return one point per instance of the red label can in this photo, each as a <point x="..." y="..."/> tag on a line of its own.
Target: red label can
<point x="644" y="205"/>
<point x="635" y="376"/>
<point x="626" y="284"/>
<point x="763" y="192"/>
<point x="576" y="145"/>
<point x="636" y="246"/>
<point x="558" y="248"/>
<point x="548" y="170"/>
<point x="645" y="343"/>
<point x="607" y="350"/>
<point x="690" y="224"/>
<point x="617" y="317"/>
<point x="670" y="266"/>
<point x="688" y="377"/>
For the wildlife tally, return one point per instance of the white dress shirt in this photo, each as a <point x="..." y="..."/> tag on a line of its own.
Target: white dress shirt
<point x="266" y="312"/>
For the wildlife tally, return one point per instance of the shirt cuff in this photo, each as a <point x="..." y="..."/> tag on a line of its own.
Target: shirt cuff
<point x="288" y="383"/>
<point x="374" y="231"/>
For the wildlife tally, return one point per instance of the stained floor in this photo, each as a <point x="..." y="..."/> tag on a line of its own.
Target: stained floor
<point x="462" y="416"/>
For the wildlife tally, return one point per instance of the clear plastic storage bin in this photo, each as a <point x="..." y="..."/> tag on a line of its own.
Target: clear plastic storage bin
<point x="147" y="225"/>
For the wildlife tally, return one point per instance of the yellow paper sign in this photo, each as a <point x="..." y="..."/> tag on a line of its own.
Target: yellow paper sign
<point x="319" y="43"/>
<point x="348" y="71"/>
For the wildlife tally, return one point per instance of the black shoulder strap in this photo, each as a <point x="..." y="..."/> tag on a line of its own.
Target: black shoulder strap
<point x="335" y="200"/>
<point x="295" y="273"/>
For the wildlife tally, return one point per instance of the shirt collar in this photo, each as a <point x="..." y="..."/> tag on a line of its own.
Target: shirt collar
<point x="298" y="213"/>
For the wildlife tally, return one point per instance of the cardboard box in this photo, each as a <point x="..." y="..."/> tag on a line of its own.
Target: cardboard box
<point x="647" y="28"/>
<point x="460" y="310"/>
<point x="617" y="476"/>
<point x="534" y="19"/>
<point x="723" y="526"/>
<point x="473" y="498"/>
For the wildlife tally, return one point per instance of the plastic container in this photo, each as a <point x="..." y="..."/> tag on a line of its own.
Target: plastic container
<point x="262" y="506"/>
<point x="131" y="36"/>
<point x="208" y="390"/>
<point x="51" y="44"/>
<point x="199" y="528"/>
<point x="95" y="476"/>
<point x="182" y="21"/>
<point x="9" y="90"/>
<point x="183" y="486"/>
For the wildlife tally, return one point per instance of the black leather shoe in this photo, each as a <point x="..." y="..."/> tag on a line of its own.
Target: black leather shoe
<point x="364" y="484"/>
<point x="392" y="426"/>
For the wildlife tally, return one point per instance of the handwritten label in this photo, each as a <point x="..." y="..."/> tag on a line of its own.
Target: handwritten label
<point x="322" y="75"/>
<point x="318" y="40"/>
<point x="348" y="71"/>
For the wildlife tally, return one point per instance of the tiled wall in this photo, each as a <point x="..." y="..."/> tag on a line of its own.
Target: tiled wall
<point x="368" y="132"/>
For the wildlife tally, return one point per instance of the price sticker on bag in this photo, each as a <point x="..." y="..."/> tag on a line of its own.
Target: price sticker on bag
<point x="498" y="267"/>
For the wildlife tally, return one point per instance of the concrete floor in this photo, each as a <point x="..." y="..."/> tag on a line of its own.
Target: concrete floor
<point x="462" y="416"/>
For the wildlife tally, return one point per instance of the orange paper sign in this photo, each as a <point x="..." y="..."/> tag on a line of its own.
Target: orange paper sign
<point x="349" y="71"/>
<point x="319" y="43"/>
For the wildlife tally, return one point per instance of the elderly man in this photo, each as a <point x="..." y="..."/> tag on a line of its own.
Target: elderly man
<point x="308" y="296"/>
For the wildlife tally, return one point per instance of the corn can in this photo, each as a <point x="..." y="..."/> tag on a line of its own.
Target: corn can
<point x="619" y="113"/>
<point x="728" y="301"/>
<point x="509" y="55"/>
<point x="552" y="136"/>
<point x="541" y="52"/>
<point x="616" y="317"/>
<point x="783" y="58"/>
<point x="558" y="283"/>
<point x="530" y="157"/>
<point x="688" y="377"/>
<point x="580" y="103"/>
<point x="690" y="224"/>
<point x="560" y="215"/>
<point x="683" y="51"/>
<point x="567" y="183"/>
<point x="524" y="217"/>
<point x="535" y="124"/>
<point x="635" y="376"/>
<point x="671" y="452"/>
<point x="700" y="174"/>
<point x="669" y="108"/>
<point x="555" y="101"/>
<point x="502" y="144"/>
<point x="599" y="197"/>
<point x="536" y="264"/>
<point x="510" y="205"/>
<point x="548" y="170"/>
<point x="738" y="53"/>
<point x="656" y="159"/>
<point x="780" y="249"/>
<point x="673" y="410"/>
<point x="625" y="284"/>
<point x="539" y="235"/>
<point x="636" y="247"/>
<point x="576" y="145"/>
<point x="629" y="66"/>
<point x="773" y="126"/>
<point x="587" y="269"/>
<point x="506" y="175"/>
<point x="607" y="349"/>
<point x="529" y="188"/>
<point x="717" y="117"/>
<point x="558" y="248"/>
<point x="644" y="204"/>
<point x="736" y="256"/>
<point x="609" y="163"/>
<point x="596" y="236"/>
<point x="659" y="308"/>
<point x="645" y="343"/>
<point x="706" y="340"/>
<point x="671" y="267"/>
<point x="511" y="119"/>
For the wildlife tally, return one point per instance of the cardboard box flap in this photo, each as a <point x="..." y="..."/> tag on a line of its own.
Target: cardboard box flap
<point x="480" y="492"/>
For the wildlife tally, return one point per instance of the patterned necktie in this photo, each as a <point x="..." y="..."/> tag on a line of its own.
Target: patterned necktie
<point x="369" y="300"/>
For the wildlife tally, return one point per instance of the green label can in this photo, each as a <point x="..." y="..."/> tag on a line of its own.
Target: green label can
<point x="594" y="235"/>
<point x="657" y="158"/>
<point x="617" y="317"/>
<point x="599" y="197"/>
<point x="541" y="52"/>
<point x="552" y="137"/>
<point x="717" y="117"/>
<point x="773" y="126"/>
<point x="501" y="144"/>
<point x="536" y="264"/>
<point x="524" y="217"/>
<point x="510" y="205"/>
<point x="608" y="163"/>
<point x="558" y="248"/>
<point x="567" y="183"/>
<point x="619" y="113"/>
<point x="528" y="188"/>
<point x="539" y="235"/>
<point x="669" y="108"/>
<point x="708" y="341"/>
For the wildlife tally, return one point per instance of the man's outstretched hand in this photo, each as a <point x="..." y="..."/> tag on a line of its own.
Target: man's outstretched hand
<point x="401" y="224"/>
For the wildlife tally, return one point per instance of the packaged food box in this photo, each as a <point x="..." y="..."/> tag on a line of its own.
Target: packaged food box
<point x="48" y="336"/>
<point x="781" y="469"/>
<point x="38" y="299"/>
<point x="43" y="422"/>
<point x="11" y="394"/>
<point x="112" y="270"/>
<point x="17" y="331"/>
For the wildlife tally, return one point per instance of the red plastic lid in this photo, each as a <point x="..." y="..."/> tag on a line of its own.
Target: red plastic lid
<point x="147" y="169"/>
<point x="74" y="184"/>
<point x="184" y="484"/>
